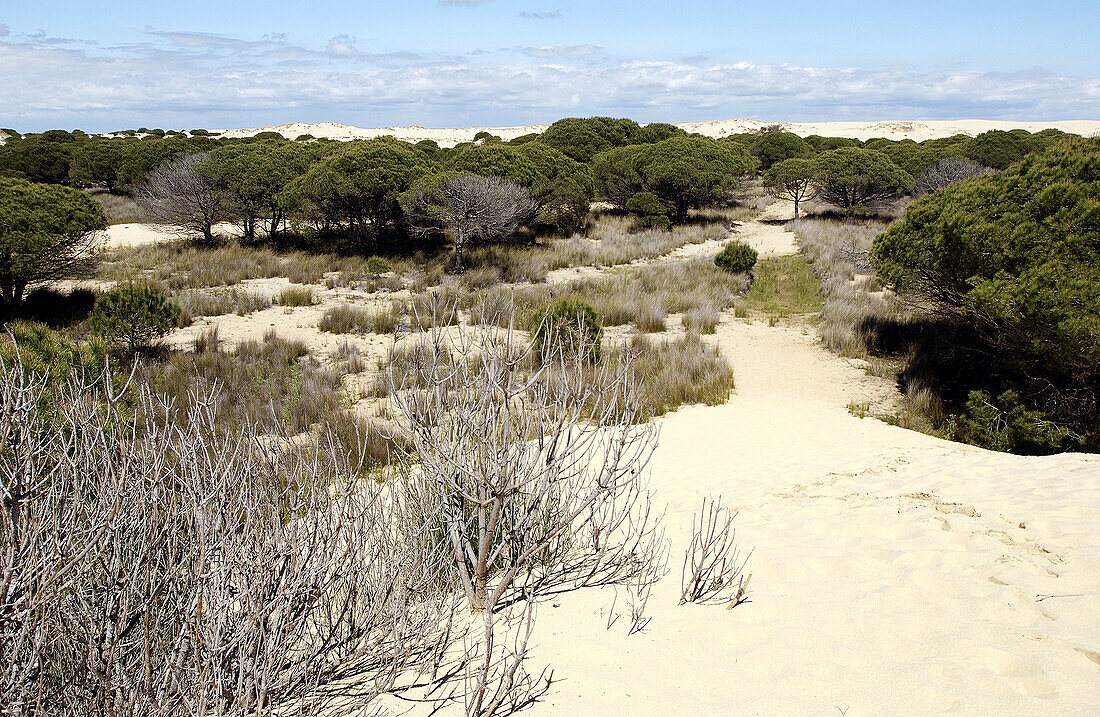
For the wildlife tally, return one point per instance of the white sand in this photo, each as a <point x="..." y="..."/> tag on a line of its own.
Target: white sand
<point x="899" y="129"/>
<point x="892" y="572"/>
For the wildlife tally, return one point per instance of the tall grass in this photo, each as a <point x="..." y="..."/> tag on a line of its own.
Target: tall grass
<point x="855" y="307"/>
<point x="347" y="319"/>
<point x="194" y="303"/>
<point x="120" y="209"/>
<point x="670" y="374"/>
<point x="297" y="296"/>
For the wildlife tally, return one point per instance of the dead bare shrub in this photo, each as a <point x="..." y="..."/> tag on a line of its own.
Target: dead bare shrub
<point x="712" y="572"/>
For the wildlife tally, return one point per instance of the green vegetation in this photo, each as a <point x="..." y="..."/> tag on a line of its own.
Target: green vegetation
<point x="347" y="319"/>
<point x="46" y="233"/>
<point x="736" y="257"/>
<point x="1012" y="260"/>
<point x="851" y="177"/>
<point x="791" y="179"/>
<point x="133" y="316"/>
<point x="784" y="285"/>
<point x="297" y="296"/>
<point x="569" y="326"/>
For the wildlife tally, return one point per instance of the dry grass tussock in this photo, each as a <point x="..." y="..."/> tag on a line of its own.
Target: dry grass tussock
<point x="643" y="296"/>
<point x="348" y="319"/>
<point x="177" y="266"/>
<point x="120" y="209"/>
<point x="854" y="303"/>
<point x="670" y="374"/>
<point x="194" y="303"/>
<point x="612" y="242"/>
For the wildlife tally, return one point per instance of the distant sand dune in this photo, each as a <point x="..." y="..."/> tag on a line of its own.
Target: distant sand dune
<point x="892" y="129"/>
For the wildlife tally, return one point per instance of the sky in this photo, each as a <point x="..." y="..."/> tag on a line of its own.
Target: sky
<point x="451" y="63"/>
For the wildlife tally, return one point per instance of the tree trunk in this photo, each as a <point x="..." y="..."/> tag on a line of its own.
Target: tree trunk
<point x="460" y="240"/>
<point x="796" y="207"/>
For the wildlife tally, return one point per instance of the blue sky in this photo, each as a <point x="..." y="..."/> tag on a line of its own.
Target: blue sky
<point x="120" y="64"/>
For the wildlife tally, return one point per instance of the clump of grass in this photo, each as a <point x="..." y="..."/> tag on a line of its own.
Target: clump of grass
<point x="645" y="295"/>
<point x="350" y="358"/>
<point x="120" y="209"/>
<point x="360" y="443"/>
<point x="194" y="303"/>
<point x="264" y="382"/>
<point x="702" y="320"/>
<point x="431" y="309"/>
<point x="859" y="409"/>
<point x="297" y="296"/>
<point x="347" y="319"/>
<point x="784" y="285"/>
<point x="612" y="242"/>
<point x="855" y="305"/>
<point x="670" y="374"/>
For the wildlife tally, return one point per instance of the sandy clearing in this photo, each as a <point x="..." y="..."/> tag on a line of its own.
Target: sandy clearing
<point x="137" y="234"/>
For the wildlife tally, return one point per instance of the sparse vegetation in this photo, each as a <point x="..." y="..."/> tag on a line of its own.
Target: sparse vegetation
<point x="784" y="285"/>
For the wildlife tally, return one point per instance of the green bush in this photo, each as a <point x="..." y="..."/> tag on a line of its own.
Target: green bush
<point x="569" y="326"/>
<point x="133" y="316"/>
<point x="1012" y="260"/>
<point x="376" y="266"/>
<point x="736" y="257"/>
<point x="649" y="210"/>
<point x="1005" y="425"/>
<point x="297" y="296"/>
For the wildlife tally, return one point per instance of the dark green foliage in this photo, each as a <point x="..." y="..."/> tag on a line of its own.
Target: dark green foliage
<point x="850" y="177"/>
<point x="133" y="316"/>
<point x="46" y="233"/>
<point x="355" y="189"/>
<point x="303" y="138"/>
<point x="774" y="147"/>
<point x="561" y="186"/>
<point x="36" y="159"/>
<point x="45" y="352"/>
<point x="583" y="138"/>
<point x="684" y="172"/>
<point x="1015" y="256"/>
<point x="1005" y="425"/>
<point x="657" y="132"/>
<point x="824" y="144"/>
<point x="255" y="178"/>
<point x="736" y="257"/>
<point x="997" y="148"/>
<point x="269" y="136"/>
<point x="377" y="265"/>
<point x="649" y="210"/>
<point x="906" y="153"/>
<point x="791" y="179"/>
<point x="570" y="325"/>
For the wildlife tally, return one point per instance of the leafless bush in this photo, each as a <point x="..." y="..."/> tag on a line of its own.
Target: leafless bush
<point x="946" y="172"/>
<point x="496" y="680"/>
<point x="534" y="470"/>
<point x="474" y="208"/>
<point x="711" y="572"/>
<point x="176" y="570"/>
<point x="177" y="194"/>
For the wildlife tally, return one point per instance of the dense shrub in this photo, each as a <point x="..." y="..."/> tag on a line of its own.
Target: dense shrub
<point x="736" y="257"/>
<point x="1014" y="259"/>
<point x="133" y="316"/>
<point x="376" y="266"/>
<point x="570" y="325"/>
<point x="850" y="177"/>
<point x="649" y="210"/>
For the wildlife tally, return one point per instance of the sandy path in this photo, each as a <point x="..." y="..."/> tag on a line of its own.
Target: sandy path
<point x="893" y="573"/>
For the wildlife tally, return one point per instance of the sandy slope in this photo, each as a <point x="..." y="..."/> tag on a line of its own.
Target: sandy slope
<point x="899" y="129"/>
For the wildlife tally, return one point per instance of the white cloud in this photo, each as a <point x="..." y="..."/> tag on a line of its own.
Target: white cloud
<point x="567" y="52"/>
<point x="4" y="31"/>
<point x="541" y="15"/>
<point x="195" y="79"/>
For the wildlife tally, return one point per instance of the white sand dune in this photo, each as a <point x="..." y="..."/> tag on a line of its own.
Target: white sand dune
<point x="899" y="129"/>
